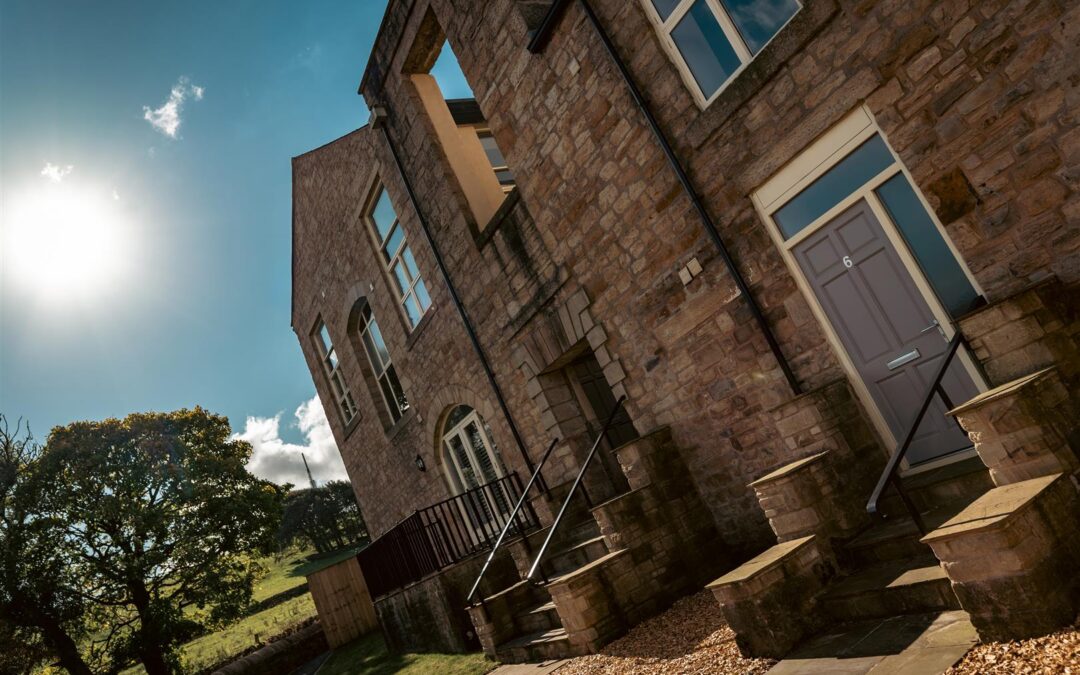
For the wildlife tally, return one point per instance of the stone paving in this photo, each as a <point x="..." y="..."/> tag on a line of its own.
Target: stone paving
<point x="921" y="644"/>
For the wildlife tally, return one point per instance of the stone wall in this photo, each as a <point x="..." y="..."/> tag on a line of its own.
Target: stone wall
<point x="978" y="100"/>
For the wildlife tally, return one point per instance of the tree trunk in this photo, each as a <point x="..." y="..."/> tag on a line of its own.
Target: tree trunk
<point x="65" y="648"/>
<point x="150" y="638"/>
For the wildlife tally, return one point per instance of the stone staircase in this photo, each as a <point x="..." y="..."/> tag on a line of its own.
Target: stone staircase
<point x="614" y="564"/>
<point x="1003" y="539"/>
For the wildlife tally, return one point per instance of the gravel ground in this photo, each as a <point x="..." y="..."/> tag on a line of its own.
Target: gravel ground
<point x="1057" y="653"/>
<point x="691" y="637"/>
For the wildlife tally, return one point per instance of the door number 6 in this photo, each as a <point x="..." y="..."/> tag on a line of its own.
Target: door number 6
<point x="847" y="262"/>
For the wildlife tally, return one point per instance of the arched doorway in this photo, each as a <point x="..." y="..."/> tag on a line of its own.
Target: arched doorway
<point x="473" y="467"/>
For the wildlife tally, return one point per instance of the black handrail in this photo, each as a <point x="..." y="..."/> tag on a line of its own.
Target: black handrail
<point x="512" y="519"/>
<point x="889" y="475"/>
<point x="570" y="495"/>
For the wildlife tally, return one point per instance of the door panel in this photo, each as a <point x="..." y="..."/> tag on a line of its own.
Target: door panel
<point x="881" y="319"/>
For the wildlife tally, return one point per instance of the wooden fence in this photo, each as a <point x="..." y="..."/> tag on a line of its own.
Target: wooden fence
<point x="341" y="596"/>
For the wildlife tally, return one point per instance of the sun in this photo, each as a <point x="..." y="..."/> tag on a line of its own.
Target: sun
<point x="65" y="242"/>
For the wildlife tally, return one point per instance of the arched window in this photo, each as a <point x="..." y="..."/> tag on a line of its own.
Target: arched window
<point x="472" y="459"/>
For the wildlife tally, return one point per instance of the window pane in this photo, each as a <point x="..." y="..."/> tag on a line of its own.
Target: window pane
<point x="350" y="403"/>
<point x="422" y="295"/>
<point x="410" y="263"/>
<point x="383" y="214"/>
<point x="468" y="475"/>
<point x="665" y="7"/>
<point x="401" y="278"/>
<point x="412" y="309"/>
<point x="398" y="399"/>
<point x="324" y="336"/>
<point x="870" y="159"/>
<point x="927" y="245"/>
<point x="331" y="358"/>
<point x="393" y="243"/>
<point x="339" y="390"/>
<point x="705" y="48"/>
<point x="759" y="20"/>
<point x="373" y="354"/>
<point x="388" y="396"/>
<point x="380" y="345"/>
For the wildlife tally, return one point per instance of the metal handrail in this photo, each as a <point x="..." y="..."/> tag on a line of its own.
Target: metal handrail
<point x="570" y="495"/>
<point x="889" y="475"/>
<point x="510" y="521"/>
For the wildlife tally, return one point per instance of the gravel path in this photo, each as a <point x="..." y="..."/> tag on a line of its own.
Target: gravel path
<point x="1057" y="653"/>
<point x="691" y="637"/>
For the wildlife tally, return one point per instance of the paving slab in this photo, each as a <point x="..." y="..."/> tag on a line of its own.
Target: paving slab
<point x="542" y="668"/>
<point x="917" y="644"/>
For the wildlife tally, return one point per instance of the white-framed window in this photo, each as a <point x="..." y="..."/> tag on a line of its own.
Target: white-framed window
<point x="397" y="257"/>
<point x="381" y="366"/>
<point x="496" y="158"/>
<point x="711" y="41"/>
<point x="332" y="368"/>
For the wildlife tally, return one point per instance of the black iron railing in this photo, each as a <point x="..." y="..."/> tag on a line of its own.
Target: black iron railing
<point x="890" y="474"/>
<point x="535" y="569"/>
<point x="442" y="534"/>
<point x="522" y="500"/>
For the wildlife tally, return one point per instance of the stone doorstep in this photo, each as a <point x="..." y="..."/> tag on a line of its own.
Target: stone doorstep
<point x="993" y="508"/>
<point x="789" y="469"/>
<point x="585" y="570"/>
<point x="769" y="560"/>
<point x="1003" y="391"/>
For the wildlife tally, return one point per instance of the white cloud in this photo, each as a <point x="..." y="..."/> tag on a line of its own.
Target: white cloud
<point x="166" y="119"/>
<point x="277" y="460"/>
<point x="56" y="173"/>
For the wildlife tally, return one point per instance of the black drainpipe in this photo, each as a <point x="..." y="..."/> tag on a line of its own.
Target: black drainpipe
<point x="539" y="40"/>
<point x="379" y="117"/>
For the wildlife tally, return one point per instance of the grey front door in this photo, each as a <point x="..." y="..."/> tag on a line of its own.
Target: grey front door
<point x="886" y="327"/>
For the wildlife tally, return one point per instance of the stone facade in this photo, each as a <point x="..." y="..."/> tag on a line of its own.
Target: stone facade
<point x="979" y="101"/>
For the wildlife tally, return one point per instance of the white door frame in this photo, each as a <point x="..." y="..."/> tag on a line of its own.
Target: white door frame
<point x="453" y="466"/>
<point x="802" y="171"/>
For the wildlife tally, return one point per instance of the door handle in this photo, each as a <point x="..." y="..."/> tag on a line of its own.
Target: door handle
<point x="934" y="325"/>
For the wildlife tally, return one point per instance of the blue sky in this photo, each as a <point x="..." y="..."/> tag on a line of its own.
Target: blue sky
<point x="184" y="299"/>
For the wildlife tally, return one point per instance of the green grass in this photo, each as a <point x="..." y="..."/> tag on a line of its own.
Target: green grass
<point x="215" y="647"/>
<point x="289" y="572"/>
<point x="282" y="576"/>
<point x="368" y="656"/>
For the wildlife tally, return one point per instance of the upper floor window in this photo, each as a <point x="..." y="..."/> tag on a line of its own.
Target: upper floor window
<point x="496" y="158"/>
<point x="398" y="258"/>
<point x="379" y="357"/>
<point x="332" y="369"/>
<point x="712" y="40"/>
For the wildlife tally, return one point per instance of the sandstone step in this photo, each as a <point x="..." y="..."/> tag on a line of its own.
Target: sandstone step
<point x="541" y="617"/>
<point x="895" y="587"/>
<point x="574" y="556"/>
<point x="956" y="484"/>
<point x="542" y="645"/>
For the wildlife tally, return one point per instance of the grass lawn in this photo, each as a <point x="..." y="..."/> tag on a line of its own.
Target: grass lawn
<point x="282" y="576"/>
<point x="368" y="656"/>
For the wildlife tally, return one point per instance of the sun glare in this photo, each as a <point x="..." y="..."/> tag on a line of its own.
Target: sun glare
<point x="65" y="242"/>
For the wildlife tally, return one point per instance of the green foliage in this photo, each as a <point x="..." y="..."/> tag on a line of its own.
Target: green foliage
<point x="326" y="517"/>
<point x="145" y="528"/>
<point x="43" y="606"/>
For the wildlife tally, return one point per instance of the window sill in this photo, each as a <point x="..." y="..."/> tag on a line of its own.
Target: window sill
<point x="416" y="332"/>
<point x="511" y="200"/>
<point x="750" y="80"/>
<point x="394" y="431"/>
<point x="351" y="426"/>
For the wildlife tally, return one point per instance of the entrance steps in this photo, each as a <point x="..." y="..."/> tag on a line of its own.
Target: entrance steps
<point x="610" y="565"/>
<point x="891" y="588"/>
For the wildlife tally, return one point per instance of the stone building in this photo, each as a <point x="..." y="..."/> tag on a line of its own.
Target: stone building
<point x="780" y="231"/>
